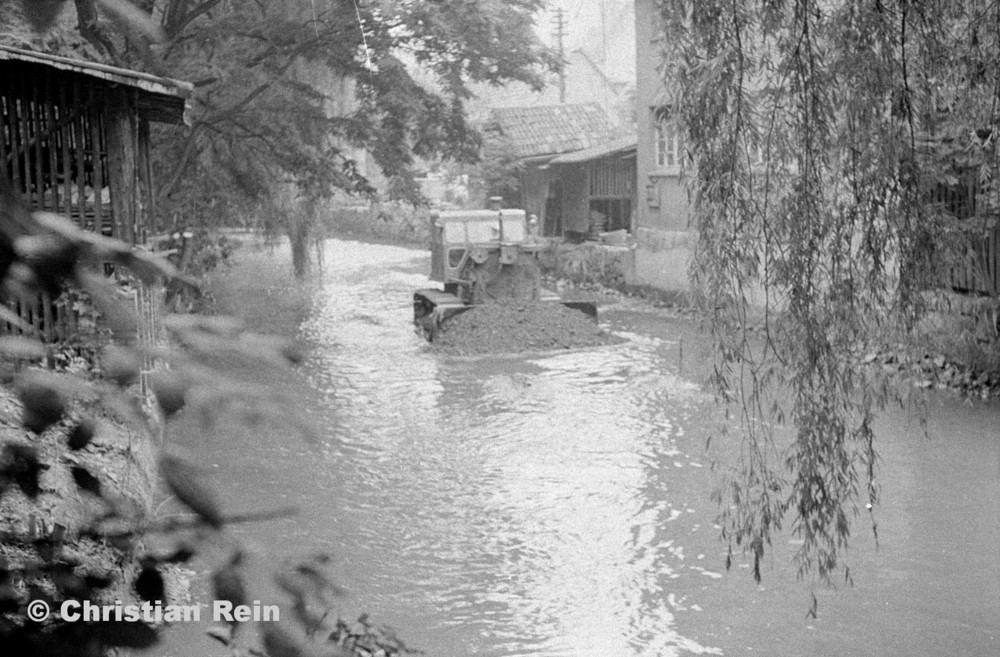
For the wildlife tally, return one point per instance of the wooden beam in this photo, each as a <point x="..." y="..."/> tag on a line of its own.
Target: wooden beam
<point x="4" y="122"/>
<point x="122" y="145"/>
<point x="97" y="180"/>
<point x="52" y="141"/>
<point x="79" y="145"/>
<point x="146" y="197"/>
<point x="50" y="128"/>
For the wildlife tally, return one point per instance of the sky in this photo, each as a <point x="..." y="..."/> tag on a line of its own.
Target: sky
<point x="604" y="28"/>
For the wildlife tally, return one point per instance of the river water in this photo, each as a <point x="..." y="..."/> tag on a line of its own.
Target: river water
<point x="558" y="505"/>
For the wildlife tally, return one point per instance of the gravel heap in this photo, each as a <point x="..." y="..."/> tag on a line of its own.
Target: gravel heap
<point x="515" y="326"/>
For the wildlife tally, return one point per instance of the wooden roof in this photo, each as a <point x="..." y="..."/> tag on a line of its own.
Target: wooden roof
<point x="554" y="129"/>
<point x="623" y="146"/>
<point x="159" y="99"/>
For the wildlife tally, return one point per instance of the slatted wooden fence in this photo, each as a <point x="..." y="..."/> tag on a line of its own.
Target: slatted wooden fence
<point x="979" y="270"/>
<point x="72" y="145"/>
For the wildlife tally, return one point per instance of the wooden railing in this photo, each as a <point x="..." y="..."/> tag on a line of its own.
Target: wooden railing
<point x="977" y="270"/>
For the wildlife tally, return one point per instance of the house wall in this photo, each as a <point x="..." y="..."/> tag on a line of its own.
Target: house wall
<point x="665" y="242"/>
<point x="663" y="202"/>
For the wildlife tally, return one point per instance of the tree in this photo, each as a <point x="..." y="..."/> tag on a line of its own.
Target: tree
<point x="209" y="358"/>
<point x="814" y="132"/>
<point x="500" y="168"/>
<point x="270" y="108"/>
<point x="293" y="95"/>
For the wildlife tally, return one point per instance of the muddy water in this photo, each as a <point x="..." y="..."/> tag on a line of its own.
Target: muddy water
<point x="558" y="504"/>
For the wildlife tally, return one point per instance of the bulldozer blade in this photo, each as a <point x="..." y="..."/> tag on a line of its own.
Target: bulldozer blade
<point x="431" y="308"/>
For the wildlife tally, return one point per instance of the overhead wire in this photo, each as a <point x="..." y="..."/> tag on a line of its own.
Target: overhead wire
<point x="364" y="40"/>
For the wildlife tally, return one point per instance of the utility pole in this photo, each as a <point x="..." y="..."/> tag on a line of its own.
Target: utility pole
<point x="560" y="27"/>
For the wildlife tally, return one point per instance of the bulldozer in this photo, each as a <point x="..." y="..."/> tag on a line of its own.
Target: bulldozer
<point x="482" y="256"/>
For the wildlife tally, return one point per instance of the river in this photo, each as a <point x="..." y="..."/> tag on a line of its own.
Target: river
<point x="558" y="505"/>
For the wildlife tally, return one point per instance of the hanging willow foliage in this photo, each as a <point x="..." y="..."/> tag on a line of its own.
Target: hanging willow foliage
<point x="816" y="133"/>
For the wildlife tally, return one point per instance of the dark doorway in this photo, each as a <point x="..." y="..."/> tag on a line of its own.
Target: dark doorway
<point x="553" y="211"/>
<point x="617" y="212"/>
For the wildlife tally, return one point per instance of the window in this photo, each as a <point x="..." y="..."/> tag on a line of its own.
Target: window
<point x="667" y="149"/>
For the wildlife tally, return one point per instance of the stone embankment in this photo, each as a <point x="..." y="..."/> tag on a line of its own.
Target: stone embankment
<point x="120" y="457"/>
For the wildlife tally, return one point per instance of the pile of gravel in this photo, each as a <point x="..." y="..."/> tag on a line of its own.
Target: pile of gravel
<point x="516" y="326"/>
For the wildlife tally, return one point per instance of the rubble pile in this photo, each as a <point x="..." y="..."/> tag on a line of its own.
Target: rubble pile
<point x="517" y="326"/>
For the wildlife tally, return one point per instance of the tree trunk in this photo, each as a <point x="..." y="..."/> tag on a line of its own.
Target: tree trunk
<point x="91" y="29"/>
<point x="299" y="238"/>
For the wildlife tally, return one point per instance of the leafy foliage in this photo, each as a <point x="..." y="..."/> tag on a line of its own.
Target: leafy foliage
<point x="204" y="375"/>
<point x="305" y="98"/>
<point x="500" y="169"/>
<point x="289" y="91"/>
<point x="815" y="134"/>
<point x="41" y="252"/>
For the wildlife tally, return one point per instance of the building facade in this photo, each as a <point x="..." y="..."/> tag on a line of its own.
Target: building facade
<point x="662" y="226"/>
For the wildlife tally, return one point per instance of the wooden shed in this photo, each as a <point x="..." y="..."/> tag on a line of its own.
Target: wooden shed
<point x="600" y="185"/>
<point x="577" y="168"/>
<point x="74" y="140"/>
<point x="74" y="137"/>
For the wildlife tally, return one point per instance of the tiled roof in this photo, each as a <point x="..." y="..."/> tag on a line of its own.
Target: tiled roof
<point x="554" y="129"/>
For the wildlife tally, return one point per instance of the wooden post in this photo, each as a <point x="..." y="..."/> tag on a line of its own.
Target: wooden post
<point x="79" y="145"/>
<point x="97" y="181"/>
<point x="122" y="144"/>
<point x="4" y="122"/>
<point x="66" y="159"/>
<point x="52" y="141"/>
<point x="23" y="147"/>
<point x="145" y="183"/>
<point x="48" y="318"/>
<point x="36" y="104"/>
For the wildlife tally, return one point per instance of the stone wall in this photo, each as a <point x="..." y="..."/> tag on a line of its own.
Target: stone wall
<point x="662" y="259"/>
<point x="590" y="262"/>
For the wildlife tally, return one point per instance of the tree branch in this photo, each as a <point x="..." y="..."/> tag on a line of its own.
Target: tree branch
<point x="189" y="150"/>
<point x="91" y="30"/>
<point x="177" y="25"/>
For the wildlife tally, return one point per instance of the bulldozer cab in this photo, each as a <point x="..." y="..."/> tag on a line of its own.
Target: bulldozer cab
<point x="463" y="236"/>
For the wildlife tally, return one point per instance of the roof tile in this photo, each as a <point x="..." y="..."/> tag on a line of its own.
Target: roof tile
<point x="554" y="129"/>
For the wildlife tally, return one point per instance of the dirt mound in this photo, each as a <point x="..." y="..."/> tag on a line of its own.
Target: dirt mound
<point x="515" y="326"/>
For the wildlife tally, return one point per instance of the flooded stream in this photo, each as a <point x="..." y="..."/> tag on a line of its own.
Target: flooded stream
<point x="558" y="505"/>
